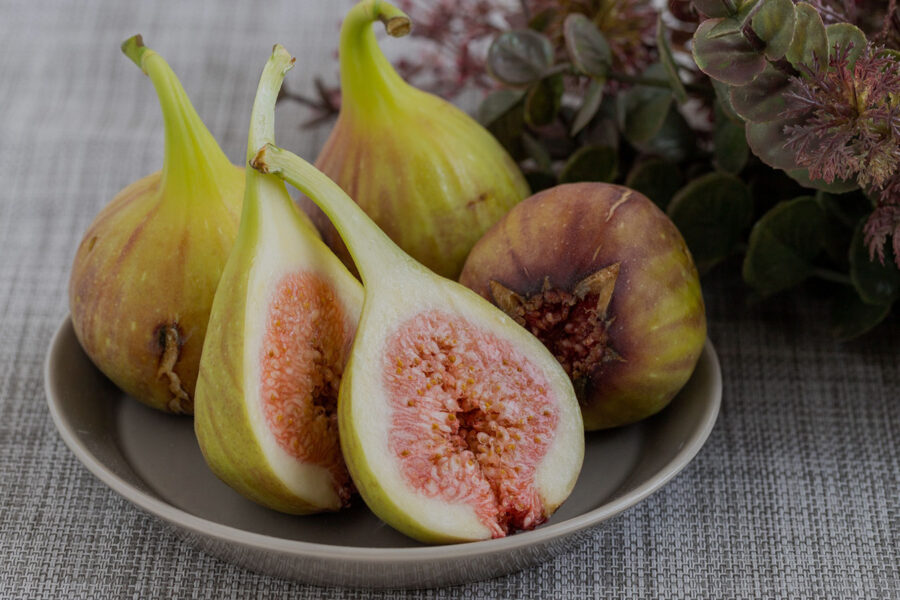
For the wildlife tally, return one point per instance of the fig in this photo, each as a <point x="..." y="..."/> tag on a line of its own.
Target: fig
<point x="280" y="331"/>
<point x="604" y="279"/>
<point x="144" y="274"/>
<point x="429" y="175"/>
<point x="456" y="423"/>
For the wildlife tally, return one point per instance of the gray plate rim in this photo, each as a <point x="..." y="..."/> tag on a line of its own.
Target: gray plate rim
<point x="235" y="536"/>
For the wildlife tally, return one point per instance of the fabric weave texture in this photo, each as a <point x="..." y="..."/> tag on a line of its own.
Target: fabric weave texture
<point x="795" y="495"/>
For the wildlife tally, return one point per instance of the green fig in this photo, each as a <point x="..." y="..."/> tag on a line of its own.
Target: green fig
<point x="144" y="275"/>
<point x="429" y="175"/>
<point x="280" y="331"/>
<point x="456" y="424"/>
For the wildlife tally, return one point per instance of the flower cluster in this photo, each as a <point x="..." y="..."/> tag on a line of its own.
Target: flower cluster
<point x="847" y="115"/>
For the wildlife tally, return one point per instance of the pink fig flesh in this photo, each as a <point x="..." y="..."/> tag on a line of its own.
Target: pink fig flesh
<point x="472" y="419"/>
<point x="304" y="349"/>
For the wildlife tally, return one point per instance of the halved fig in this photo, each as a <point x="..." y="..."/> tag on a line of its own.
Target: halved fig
<point x="279" y="335"/>
<point x="456" y="423"/>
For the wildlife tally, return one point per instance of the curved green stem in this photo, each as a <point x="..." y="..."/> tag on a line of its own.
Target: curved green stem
<point x="365" y="72"/>
<point x="833" y="276"/>
<point x="371" y="248"/>
<point x="262" y="116"/>
<point x="192" y="156"/>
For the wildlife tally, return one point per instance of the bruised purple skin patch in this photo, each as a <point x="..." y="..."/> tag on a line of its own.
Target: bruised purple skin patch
<point x="472" y="418"/>
<point x="302" y="359"/>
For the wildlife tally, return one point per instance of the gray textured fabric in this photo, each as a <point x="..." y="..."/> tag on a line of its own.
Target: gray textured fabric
<point x="794" y="496"/>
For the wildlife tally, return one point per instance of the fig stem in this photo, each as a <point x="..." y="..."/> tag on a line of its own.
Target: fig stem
<point x="193" y="158"/>
<point x="262" y="116"/>
<point x="365" y="72"/>
<point x="372" y="250"/>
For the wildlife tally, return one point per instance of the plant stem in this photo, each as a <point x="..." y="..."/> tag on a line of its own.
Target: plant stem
<point x="651" y="82"/>
<point x="369" y="246"/>
<point x="832" y="276"/>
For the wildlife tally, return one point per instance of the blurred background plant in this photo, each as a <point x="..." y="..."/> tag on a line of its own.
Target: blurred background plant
<point x="766" y="129"/>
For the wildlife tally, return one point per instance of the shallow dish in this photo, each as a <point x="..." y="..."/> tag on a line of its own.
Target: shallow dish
<point x="153" y="460"/>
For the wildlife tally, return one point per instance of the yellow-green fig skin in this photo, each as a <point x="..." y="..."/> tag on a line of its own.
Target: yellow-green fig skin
<point x="428" y="174"/>
<point x="222" y="421"/>
<point x="145" y="273"/>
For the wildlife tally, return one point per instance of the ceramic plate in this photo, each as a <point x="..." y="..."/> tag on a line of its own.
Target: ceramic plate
<point x="153" y="461"/>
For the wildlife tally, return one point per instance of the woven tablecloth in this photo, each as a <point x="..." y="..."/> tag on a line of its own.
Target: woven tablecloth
<point x="795" y="494"/>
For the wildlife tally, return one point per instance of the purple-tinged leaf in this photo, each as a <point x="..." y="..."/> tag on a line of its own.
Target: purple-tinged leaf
<point x="774" y="24"/>
<point x="519" y="58"/>
<point x="729" y="58"/>
<point x="810" y="42"/>
<point x="763" y="98"/>
<point x="767" y="141"/>
<point x="586" y="46"/>
<point x="844" y="34"/>
<point x="668" y="61"/>
<point x="715" y="8"/>
<point x="593" y="97"/>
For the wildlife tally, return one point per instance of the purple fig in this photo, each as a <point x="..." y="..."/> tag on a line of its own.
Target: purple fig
<point x="604" y="279"/>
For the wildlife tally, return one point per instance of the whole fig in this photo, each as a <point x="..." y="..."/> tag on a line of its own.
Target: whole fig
<point x="144" y="275"/>
<point x="604" y="279"/>
<point x="429" y="175"/>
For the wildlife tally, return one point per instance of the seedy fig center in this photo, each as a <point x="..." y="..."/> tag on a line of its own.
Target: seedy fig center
<point x="472" y="419"/>
<point x="573" y="325"/>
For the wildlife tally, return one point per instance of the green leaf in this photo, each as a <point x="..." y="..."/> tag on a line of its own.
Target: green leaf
<point x="657" y="179"/>
<point x="846" y="208"/>
<point x="714" y="8"/>
<point x="783" y="244"/>
<point x="730" y="144"/>
<point x="851" y="317"/>
<point x="763" y="98"/>
<point x="810" y="43"/>
<point x="843" y="212"/>
<point x="728" y="58"/>
<point x="844" y="34"/>
<point x="496" y="104"/>
<point x="591" y="163"/>
<point x="542" y="20"/>
<point x="675" y="141"/>
<point x="519" y="58"/>
<point x="543" y="100"/>
<point x="712" y="213"/>
<point x="876" y="283"/>
<point x="668" y="62"/>
<point x="586" y="46"/>
<point x="508" y="128"/>
<point x="767" y="141"/>
<point x="537" y="151"/>
<point x="643" y="109"/>
<point x="774" y="23"/>
<point x="723" y="95"/>
<point x="593" y="98"/>
<point x="838" y="186"/>
<point x="539" y="180"/>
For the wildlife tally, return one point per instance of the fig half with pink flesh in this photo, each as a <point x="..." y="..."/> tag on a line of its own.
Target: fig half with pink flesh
<point x="456" y="423"/>
<point x="605" y="280"/>
<point x="279" y="335"/>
